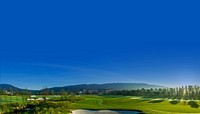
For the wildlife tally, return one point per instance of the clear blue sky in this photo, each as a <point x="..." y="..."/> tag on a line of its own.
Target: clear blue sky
<point x="58" y="43"/>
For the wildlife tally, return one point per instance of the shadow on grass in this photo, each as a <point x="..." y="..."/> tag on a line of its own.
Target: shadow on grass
<point x="193" y="104"/>
<point x="174" y="102"/>
<point x="156" y="101"/>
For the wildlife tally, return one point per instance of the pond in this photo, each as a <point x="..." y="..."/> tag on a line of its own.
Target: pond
<point x="105" y="112"/>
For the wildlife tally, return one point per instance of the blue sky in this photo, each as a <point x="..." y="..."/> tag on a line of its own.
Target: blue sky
<point x="58" y="43"/>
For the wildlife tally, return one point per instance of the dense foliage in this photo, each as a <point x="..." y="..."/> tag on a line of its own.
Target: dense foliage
<point x="54" y="105"/>
<point x="184" y="92"/>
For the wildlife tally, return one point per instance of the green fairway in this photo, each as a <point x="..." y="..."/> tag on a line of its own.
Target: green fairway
<point x="11" y="99"/>
<point x="19" y="99"/>
<point x="147" y="105"/>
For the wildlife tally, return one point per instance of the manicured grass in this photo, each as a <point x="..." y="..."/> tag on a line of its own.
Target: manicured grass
<point x="13" y="99"/>
<point x="147" y="105"/>
<point x="5" y="99"/>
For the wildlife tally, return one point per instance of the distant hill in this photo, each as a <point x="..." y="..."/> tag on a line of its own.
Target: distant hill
<point x="9" y="87"/>
<point x="107" y="86"/>
<point x="111" y="86"/>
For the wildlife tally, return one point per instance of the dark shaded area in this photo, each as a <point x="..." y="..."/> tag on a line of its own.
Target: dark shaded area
<point x="174" y="102"/>
<point x="156" y="101"/>
<point x="193" y="104"/>
<point x="28" y="109"/>
<point x="143" y="100"/>
<point x="21" y="111"/>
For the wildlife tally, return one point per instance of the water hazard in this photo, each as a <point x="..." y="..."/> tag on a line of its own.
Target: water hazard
<point x="105" y="112"/>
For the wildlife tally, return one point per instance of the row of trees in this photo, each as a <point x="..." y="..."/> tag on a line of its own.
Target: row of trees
<point x="184" y="92"/>
<point x="9" y="95"/>
<point x="44" y="91"/>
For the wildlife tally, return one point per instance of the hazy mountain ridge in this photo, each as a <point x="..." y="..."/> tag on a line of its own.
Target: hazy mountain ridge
<point x="106" y="86"/>
<point x="10" y="87"/>
<point x="7" y="87"/>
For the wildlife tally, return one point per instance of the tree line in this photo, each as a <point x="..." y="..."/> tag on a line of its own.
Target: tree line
<point x="183" y="92"/>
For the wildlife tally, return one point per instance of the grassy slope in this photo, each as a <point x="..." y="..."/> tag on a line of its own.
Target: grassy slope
<point x="130" y="103"/>
<point x="7" y="99"/>
<point x="14" y="99"/>
<point x="135" y="103"/>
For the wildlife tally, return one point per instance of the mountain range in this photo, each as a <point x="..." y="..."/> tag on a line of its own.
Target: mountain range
<point x="81" y="87"/>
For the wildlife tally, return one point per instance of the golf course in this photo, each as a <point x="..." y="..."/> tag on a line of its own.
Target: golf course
<point x="143" y="105"/>
<point x="102" y="103"/>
